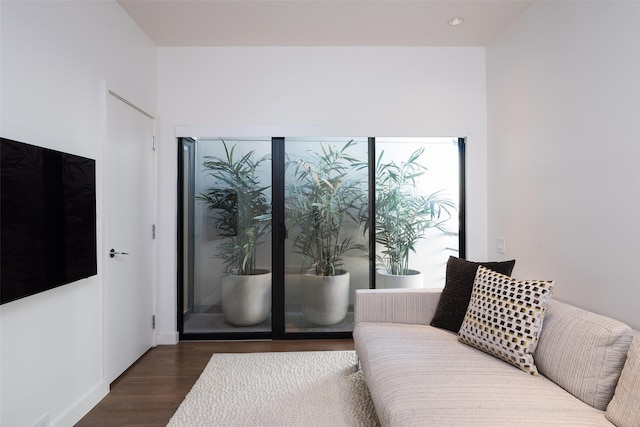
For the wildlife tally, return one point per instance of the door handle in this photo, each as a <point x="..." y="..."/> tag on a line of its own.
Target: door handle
<point x="113" y="253"/>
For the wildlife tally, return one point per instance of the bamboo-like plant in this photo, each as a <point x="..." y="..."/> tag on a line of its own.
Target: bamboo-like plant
<point x="321" y="197"/>
<point x="402" y="214"/>
<point x="239" y="206"/>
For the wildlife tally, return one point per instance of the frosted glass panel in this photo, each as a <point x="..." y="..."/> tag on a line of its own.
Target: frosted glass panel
<point x="325" y="249"/>
<point x="423" y="214"/>
<point x="232" y="237"/>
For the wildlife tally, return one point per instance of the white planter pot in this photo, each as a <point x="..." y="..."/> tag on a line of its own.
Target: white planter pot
<point x="385" y="280"/>
<point x="325" y="299"/>
<point x="246" y="300"/>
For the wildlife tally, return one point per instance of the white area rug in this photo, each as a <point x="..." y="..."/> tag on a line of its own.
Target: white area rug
<point x="320" y="388"/>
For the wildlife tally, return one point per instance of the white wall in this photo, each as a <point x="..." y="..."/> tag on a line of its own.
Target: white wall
<point x="564" y="149"/>
<point x="317" y="92"/>
<point x="55" y="57"/>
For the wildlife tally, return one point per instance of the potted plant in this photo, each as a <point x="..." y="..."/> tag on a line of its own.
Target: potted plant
<point x="242" y="212"/>
<point x="403" y="215"/>
<point x="321" y="197"/>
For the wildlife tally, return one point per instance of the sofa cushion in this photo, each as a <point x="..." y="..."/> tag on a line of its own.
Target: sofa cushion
<point x="583" y="352"/>
<point x="624" y="408"/>
<point x="456" y="294"/>
<point x="505" y="317"/>
<point x="422" y="376"/>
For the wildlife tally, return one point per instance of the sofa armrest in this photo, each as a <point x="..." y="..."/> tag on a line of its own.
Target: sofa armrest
<point x="411" y="306"/>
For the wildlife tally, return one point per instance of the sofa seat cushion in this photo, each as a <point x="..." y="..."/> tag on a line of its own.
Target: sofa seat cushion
<point x="423" y="376"/>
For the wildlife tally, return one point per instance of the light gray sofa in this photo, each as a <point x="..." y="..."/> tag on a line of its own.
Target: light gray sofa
<point x="419" y="375"/>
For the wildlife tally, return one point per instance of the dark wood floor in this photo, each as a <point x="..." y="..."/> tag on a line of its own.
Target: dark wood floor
<point x="151" y="390"/>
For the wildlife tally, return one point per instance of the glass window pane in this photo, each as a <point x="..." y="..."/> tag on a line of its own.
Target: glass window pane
<point x="232" y="237"/>
<point x="326" y="248"/>
<point x="417" y="198"/>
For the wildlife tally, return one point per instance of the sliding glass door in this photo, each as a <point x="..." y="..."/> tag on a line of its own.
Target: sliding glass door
<point x="326" y="247"/>
<point x="277" y="234"/>
<point x="227" y="206"/>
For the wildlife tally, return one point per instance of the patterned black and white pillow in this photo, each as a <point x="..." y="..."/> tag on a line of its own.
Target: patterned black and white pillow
<point x="505" y="316"/>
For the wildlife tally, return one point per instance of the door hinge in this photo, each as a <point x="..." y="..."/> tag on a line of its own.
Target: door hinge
<point x="153" y="231"/>
<point x="154" y="143"/>
<point x="153" y="321"/>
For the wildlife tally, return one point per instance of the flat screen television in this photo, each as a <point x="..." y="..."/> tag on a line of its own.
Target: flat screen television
<point x="48" y="219"/>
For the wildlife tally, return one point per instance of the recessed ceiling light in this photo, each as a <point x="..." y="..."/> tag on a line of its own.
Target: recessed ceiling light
<point x="458" y="20"/>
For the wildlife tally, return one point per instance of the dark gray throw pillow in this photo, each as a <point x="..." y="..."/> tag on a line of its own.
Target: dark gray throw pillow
<point x="456" y="294"/>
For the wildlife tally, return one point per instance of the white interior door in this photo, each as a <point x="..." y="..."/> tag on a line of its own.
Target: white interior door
<point x="128" y="209"/>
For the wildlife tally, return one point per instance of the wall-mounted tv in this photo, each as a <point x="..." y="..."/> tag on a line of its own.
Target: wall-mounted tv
<point x="48" y="220"/>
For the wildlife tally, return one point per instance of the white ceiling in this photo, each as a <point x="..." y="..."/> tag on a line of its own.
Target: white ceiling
<point x="322" y="22"/>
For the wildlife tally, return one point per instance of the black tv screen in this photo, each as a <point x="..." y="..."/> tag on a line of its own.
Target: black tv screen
<point x="48" y="221"/>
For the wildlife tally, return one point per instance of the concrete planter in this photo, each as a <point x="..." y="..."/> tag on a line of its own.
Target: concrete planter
<point x="385" y="280"/>
<point x="325" y="299"/>
<point x="246" y="300"/>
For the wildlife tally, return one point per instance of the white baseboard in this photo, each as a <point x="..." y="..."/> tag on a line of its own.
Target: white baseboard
<point x="82" y="406"/>
<point x="167" y="338"/>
